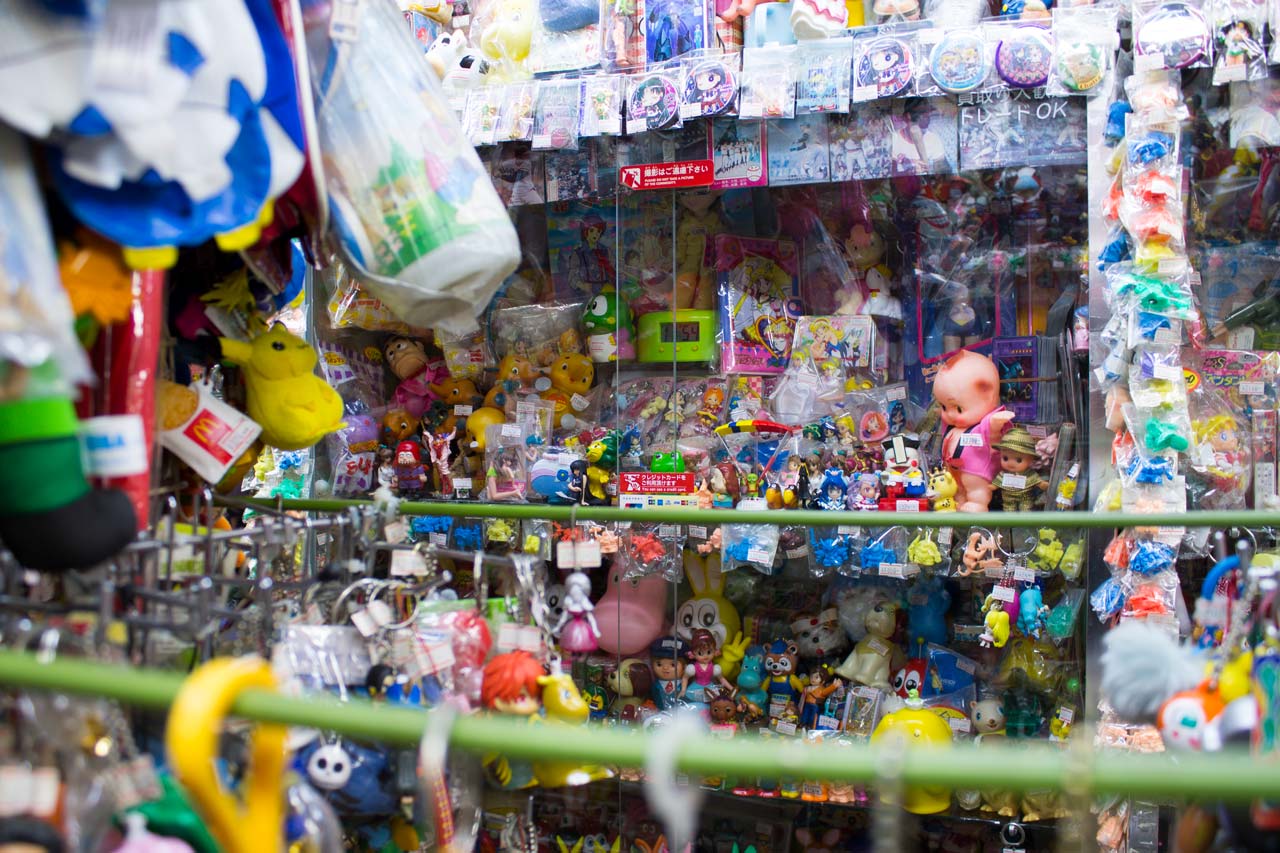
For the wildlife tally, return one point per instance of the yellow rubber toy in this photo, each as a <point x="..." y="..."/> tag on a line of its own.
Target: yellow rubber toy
<point x="254" y="821"/>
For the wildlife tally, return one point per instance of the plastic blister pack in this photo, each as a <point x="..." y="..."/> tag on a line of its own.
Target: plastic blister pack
<point x="557" y="115"/>
<point x="1084" y="48"/>
<point x="749" y="545"/>
<point x="652" y="549"/>
<point x="823" y="81"/>
<point x="958" y="61"/>
<point x="710" y="87"/>
<point x="1170" y="35"/>
<point x="602" y="105"/>
<point x="769" y="83"/>
<point x="1239" y="26"/>
<point x="653" y="100"/>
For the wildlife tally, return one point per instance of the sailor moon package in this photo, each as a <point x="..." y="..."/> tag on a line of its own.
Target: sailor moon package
<point x="759" y="302"/>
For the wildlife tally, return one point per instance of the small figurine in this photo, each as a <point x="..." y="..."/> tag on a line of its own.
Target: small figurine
<point x="581" y="635"/>
<point x="752" y="697"/>
<point x="503" y="482"/>
<point x="397" y="425"/>
<point x="511" y="686"/>
<point x="440" y="450"/>
<point x="723" y="711"/>
<point x="995" y="630"/>
<point x="1019" y="484"/>
<point x="608" y="324"/>
<point x="1032" y="612"/>
<point x="867" y="494"/>
<point x="410" y="479"/>
<point x="665" y="656"/>
<point x="386" y="476"/>
<point x="831" y="494"/>
<point x="987" y="718"/>
<point x="781" y="660"/>
<point x="871" y="659"/>
<point x="979" y="553"/>
<point x="820" y="687"/>
<point x="629" y="683"/>
<point x="967" y="389"/>
<point x="703" y="671"/>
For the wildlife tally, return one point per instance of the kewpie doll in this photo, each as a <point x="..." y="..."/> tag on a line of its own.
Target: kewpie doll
<point x="967" y="389"/>
<point x="703" y="671"/>
<point x="1019" y="485"/>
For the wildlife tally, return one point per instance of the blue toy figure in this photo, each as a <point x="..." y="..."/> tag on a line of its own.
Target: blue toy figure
<point x="666" y="662"/>
<point x="832" y="492"/>
<point x="927" y="606"/>
<point x="751" y="680"/>
<point x="780" y="662"/>
<point x="1032" y="612"/>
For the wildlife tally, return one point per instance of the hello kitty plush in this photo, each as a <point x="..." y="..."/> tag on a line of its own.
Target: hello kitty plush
<point x="967" y="389"/>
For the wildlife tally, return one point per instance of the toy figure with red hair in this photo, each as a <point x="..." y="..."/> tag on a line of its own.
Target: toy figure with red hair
<point x="511" y="686"/>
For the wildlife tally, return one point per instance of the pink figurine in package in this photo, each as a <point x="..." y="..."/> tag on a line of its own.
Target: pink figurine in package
<point x="967" y="389"/>
<point x="759" y="302"/>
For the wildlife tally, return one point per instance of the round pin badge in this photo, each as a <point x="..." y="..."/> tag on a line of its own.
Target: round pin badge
<point x="1081" y="65"/>
<point x="653" y="99"/>
<point x="885" y="64"/>
<point x="1176" y="31"/>
<point x="1023" y="57"/>
<point x="958" y="63"/>
<point x="710" y="88"/>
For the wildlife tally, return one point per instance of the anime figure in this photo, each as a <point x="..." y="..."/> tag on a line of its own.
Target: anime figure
<point x="410" y="477"/>
<point x="1019" y="484"/>
<point x="783" y="686"/>
<point x="665" y="659"/>
<point x="832" y="491"/>
<point x="995" y="630"/>
<point x="870" y="661"/>
<point x="582" y="634"/>
<point x="385" y="477"/>
<point x="440" y="450"/>
<point x="674" y="29"/>
<point x="703" y="671"/>
<point x="1032" y="612"/>
<point x="815" y="694"/>
<point x="502" y="481"/>
<point x="699" y="222"/>
<point x="630" y="682"/>
<point x="866" y="496"/>
<point x="967" y="389"/>
<point x="511" y="686"/>
<point x="1218" y="437"/>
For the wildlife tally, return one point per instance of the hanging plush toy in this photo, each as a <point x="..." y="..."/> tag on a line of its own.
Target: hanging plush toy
<point x="294" y="406"/>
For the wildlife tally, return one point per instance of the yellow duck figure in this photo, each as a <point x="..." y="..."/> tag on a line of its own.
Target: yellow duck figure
<point x="295" y="407"/>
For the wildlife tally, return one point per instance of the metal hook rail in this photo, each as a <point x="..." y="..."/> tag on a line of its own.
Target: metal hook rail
<point x="1228" y="776"/>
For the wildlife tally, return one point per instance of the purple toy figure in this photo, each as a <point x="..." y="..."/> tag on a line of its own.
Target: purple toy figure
<point x="867" y="494"/>
<point x="581" y="635"/>
<point x="967" y="389"/>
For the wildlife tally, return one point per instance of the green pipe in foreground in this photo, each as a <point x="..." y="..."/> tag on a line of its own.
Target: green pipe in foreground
<point x="801" y="517"/>
<point x="1223" y="776"/>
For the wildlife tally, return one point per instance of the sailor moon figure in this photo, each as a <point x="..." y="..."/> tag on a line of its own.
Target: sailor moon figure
<point x="580" y="635"/>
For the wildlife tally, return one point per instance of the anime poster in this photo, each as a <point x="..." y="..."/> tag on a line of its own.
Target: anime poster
<point x="571" y="174"/>
<point x="1020" y="128"/>
<point x="674" y="28"/>
<point x="581" y="241"/>
<point x="798" y="150"/>
<point x="738" y="149"/>
<point x="759" y="302"/>
<point x="518" y="174"/>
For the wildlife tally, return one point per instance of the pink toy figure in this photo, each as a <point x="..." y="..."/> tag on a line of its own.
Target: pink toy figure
<point x="630" y="613"/>
<point x="440" y="449"/>
<point x="967" y="389"/>
<point x="581" y="635"/>
<point x="703" y="671"/>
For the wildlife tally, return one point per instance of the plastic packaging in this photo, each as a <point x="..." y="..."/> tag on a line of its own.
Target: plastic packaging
<point x="769" y="82"/>
<point x="1084" y="46"/>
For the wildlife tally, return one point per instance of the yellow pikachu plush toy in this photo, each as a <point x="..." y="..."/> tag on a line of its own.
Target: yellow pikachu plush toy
<point x="295" y="407"/>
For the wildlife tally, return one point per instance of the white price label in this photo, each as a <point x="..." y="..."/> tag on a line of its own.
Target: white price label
<point x="461" y="410"/>
<point x="896" y="392"/>
<point x="1013" y="481"/>
<point x="688" y="111"/>
<point x="578" y="555"/>
<point x="511" y="431"/>
<point x="1024" y="574"/>
<point x="877" y="645"/>
<point x="461" y="484"/>
<point x="668" y="531"/>
<point x="1172" y="372"/>
<point x="908" y="505"/>
<point x="1252" y="389"/>
<point x="1067" y="715"/>
<point x="1230" y="74"/>
<point x="891" y="570"/>
<point x="865" y="93"/>
<point x="830" y="723"/>
<point x="971" y="439"/>
<point x="407" y="564"/>
<point x="364" y="623"/>
<point x="440" y="540"/>
<point x="945" y="535"/>
<point x="697" y="531"/>
<point x="1003" y="593"/>
<point x="960" y="724"/>
<point x="1144" y="62"/>
<point x="397" y="532"/>
<point x="848" y="530"/>
<point x="1168" y="336"/>
<point x="785" y="727"/>
<point x="760" y="556"/>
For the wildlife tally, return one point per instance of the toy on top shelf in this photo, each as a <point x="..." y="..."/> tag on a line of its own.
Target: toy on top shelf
<point x="967" y="389"/>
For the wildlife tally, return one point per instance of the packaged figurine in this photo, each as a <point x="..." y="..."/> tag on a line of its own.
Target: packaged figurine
<point x="759" y="302"/>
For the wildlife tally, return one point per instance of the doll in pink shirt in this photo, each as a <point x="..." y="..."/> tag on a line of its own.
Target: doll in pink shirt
<point x="967" y="389"/>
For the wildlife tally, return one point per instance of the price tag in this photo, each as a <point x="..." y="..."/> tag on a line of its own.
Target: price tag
<point x="1067" y="715"/>
<point x="461" y="484"/>
<point x="1013" y="481"/>
<point x="877" y="645"/>
<point x="440" y="540"/>
<point x="1172" y="372"/>
<point x="996" y="572"/>
<point x="688" y="111"/>
<point x="397" y="532"/>
<point x="1038" y="430"/>
<point x="945" y="535"/>
<point x="578" y="555"/>
<point x="1024" y="574"/>
<point x="1171" y="266"/>
<point x="1230" y="74"/>
<point x="891" y="570"/>
<point x="908" y="505"/>
<point x="865" y="692"/>
<point x="960" y="724"/>
<point x="1252" y="389"/>
<point x="865" y="93"/>
<point x="785" y="727"/>
<point x="697" y="531"/>
<point x="760" y="556"/>
<point x="896" y="392"/>
<point x="1148" y="62"/>
<point x="753" y="505"/>
<point x="848" y="530"/>
<point x="579" y="403"/>
<point x="668" y="531"/>
<point x="511" y="431"/>
<point x="825" y="722"/>
<point x="1002" y="593"/>
<point x="1168" y="336"/>
<point x="971" y="439"/>
<point x="364" y="623"/>
<point x="407" y="564"/>
<point x="344" y="20"/>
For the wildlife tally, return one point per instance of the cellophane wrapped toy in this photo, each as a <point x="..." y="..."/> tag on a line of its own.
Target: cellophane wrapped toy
<point x="413" y="208"/>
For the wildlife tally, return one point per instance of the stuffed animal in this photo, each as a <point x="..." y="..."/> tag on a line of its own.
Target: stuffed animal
<point x="631" y="683"/>
<point x="294" y="406"/>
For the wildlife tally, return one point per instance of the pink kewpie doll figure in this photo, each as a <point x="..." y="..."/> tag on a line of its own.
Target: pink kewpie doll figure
<point x="967" y="389"/>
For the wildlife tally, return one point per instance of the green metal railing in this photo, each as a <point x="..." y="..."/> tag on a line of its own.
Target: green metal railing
<point x="801" y="517"/>
<point x="1231" y="776"/>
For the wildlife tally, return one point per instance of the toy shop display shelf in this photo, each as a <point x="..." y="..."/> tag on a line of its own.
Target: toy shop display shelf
<point x="1253" y="519"/>
<point x="1077" y="769"/>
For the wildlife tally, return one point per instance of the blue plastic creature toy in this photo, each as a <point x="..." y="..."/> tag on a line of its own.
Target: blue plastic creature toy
<point x="927" y="605"/>
<point x="751" y="679"/>
<point x="1032" y="612"/>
